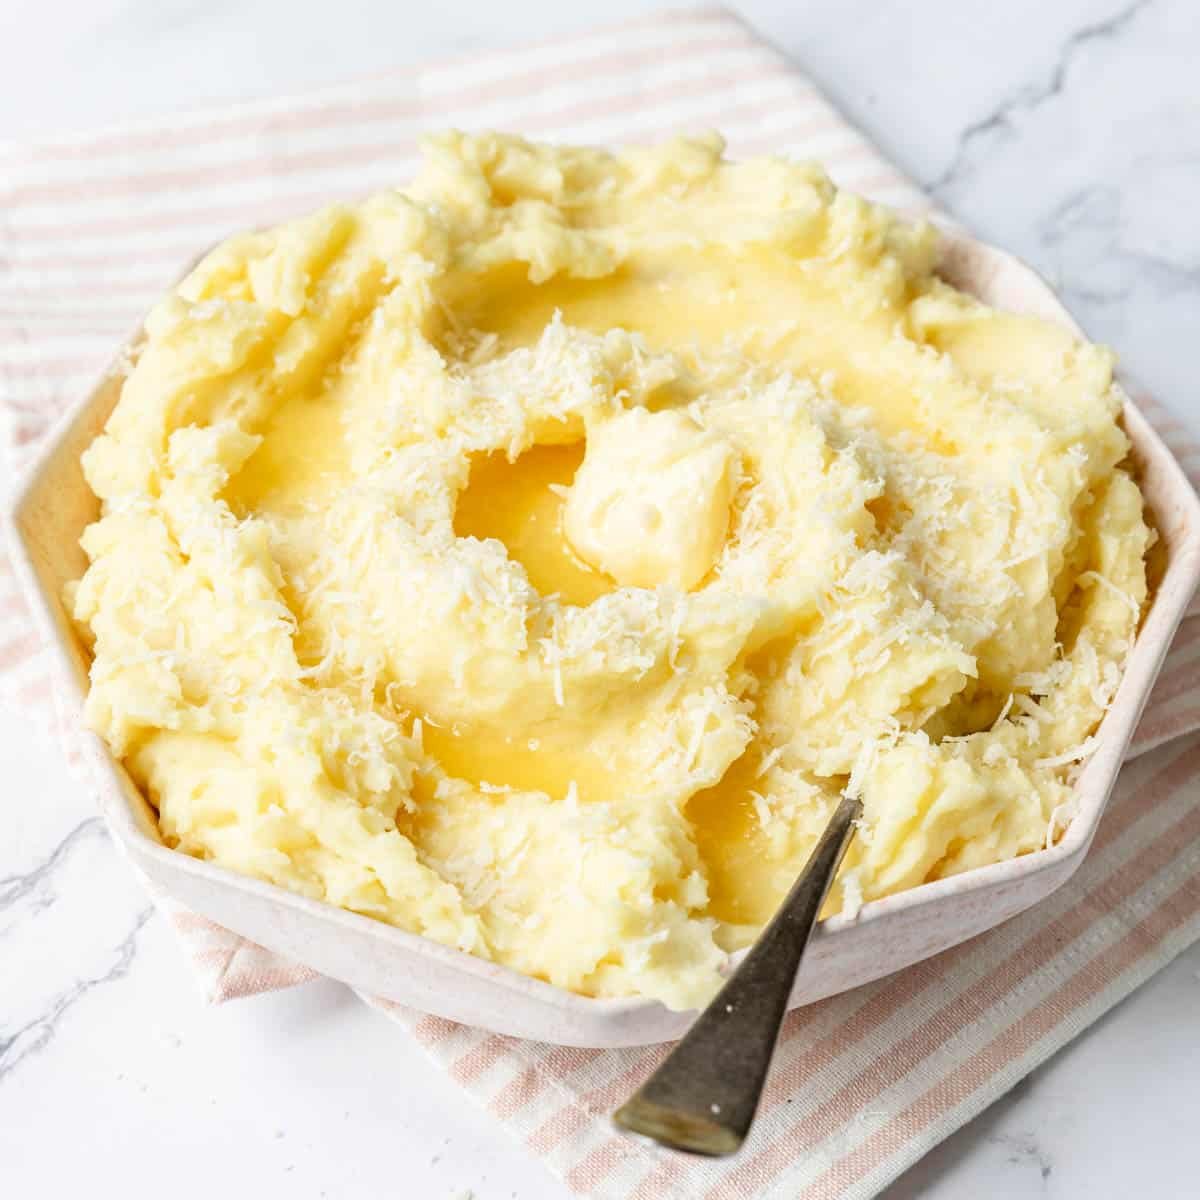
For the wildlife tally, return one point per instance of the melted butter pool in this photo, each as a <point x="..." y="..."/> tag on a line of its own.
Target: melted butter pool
<point x="520" y="762"/>
<point x="517" y="504"/>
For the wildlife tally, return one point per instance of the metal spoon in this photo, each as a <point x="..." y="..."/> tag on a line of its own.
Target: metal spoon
<point x="703" y="1097"/>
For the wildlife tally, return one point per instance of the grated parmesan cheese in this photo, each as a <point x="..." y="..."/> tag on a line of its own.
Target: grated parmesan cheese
<point x="821" y="510"/>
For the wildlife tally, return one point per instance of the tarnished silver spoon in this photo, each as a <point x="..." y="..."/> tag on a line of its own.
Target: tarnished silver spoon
<point x="703" y="1097"/>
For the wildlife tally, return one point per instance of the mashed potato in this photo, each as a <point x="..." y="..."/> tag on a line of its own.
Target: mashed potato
<point x="532" y="557"/>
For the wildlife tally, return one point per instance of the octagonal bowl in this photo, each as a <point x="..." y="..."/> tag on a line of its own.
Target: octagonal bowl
<point x="53" y="505"/>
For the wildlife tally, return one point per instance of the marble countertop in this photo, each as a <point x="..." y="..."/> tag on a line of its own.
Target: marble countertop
<point x="1066" y="132"/>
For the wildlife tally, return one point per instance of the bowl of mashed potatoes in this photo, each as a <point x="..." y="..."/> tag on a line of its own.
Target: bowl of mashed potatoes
<point x="485" y="592"/>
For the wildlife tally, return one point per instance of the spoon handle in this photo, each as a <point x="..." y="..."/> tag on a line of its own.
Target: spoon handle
<point x="703" y="1097"/>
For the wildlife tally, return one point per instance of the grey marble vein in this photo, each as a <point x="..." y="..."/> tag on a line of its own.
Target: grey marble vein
<point x="18" y="887"/>
<point x="1024" y="1149"/>
<point x="1032" y="95"/>
<point x="1095" y="213"/>
<point x="27" y="1039"/>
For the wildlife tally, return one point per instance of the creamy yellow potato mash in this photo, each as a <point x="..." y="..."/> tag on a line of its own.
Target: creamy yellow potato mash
<point x="531" y="557"/>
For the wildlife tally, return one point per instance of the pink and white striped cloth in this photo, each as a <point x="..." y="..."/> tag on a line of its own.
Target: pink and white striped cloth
<point x="93" y="227"/>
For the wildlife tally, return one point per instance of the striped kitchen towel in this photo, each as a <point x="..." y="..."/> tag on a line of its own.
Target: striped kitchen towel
<point x="93" y="227"/>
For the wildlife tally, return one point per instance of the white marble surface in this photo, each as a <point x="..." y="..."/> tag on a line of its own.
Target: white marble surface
<point x="1068" y="132"/>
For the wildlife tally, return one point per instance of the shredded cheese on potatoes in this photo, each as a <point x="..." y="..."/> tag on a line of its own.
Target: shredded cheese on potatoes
<point x="532" y="557"/>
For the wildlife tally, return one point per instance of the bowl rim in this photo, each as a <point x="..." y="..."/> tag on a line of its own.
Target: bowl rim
<point x="1113" y="734"/>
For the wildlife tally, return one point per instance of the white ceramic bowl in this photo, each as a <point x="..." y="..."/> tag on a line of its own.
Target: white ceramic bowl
<point x="53" y="505"/>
